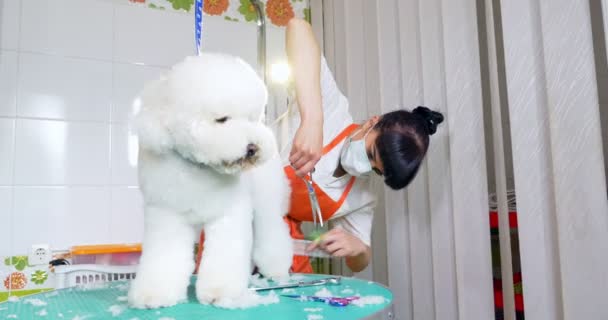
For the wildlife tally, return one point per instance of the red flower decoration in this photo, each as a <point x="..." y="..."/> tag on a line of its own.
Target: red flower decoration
<point x="15" y="281"/>
<point x="279" y="11"/>
<point x="138" y="1"/>
<point x="215" y="7"/>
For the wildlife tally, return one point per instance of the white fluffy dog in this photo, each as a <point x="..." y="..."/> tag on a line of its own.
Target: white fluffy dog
<point x="207" y="161"/>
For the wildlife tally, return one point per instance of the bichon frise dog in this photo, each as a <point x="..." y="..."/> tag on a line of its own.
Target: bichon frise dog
<point x="206" y="161"/>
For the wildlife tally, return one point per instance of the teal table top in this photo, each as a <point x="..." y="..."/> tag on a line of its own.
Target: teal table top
<point x="109" y="302"/>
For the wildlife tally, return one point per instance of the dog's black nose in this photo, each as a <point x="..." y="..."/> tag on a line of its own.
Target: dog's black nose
<point x="252" y="149"/>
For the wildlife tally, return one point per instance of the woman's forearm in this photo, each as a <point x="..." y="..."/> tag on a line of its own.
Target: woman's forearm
<point x="304" y="56"/>
<point x="359" y="262"/>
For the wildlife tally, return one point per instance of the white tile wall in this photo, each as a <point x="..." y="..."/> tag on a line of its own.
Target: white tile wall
<point x="126" y="217"/>
<point x="128" y="83"/>
<point x="7" y="137"/>
<point x="152" y="37"/>
<point x="69" y="73"/>
<point x="6" y="231"/>
<point x="61" y="216"/>
<point x="124" y="156"/>
<point x="246" y="33"/>
<point x="62" y="88"/>
<point x="68" y="27"/>
<point x="8" y="83"/>
<point x="62" y="153"/>
<point x="9" y="24"/>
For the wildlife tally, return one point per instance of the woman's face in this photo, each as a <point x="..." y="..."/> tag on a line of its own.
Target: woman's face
<point x="370" y="143"/>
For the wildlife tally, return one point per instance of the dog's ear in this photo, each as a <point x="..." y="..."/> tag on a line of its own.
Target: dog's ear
<point x="151" y="120"/>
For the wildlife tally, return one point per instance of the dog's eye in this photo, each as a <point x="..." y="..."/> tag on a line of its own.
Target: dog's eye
<point x="221" y="120"/>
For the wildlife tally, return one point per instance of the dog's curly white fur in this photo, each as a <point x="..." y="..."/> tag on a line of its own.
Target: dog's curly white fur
<point x="207" y="161"/>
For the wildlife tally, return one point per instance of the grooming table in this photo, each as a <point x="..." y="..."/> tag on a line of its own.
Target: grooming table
<point x="97" y="303"/>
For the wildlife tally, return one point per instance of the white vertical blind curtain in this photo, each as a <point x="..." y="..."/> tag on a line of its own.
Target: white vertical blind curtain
<point x="581" y="207"/>
<point x="467" y="160"/>
<point x="403" y="53"/>
<point x="557" y="151"/>
<point x="531" y="158"/>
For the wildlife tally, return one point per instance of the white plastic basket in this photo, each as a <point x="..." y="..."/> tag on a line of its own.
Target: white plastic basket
<point x="91" y="274"/>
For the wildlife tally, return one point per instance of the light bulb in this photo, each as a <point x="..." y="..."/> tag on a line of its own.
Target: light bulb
<point x="280" y="72"/>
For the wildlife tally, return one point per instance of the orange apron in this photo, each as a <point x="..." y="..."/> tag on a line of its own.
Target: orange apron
<point x="300" y="208"/>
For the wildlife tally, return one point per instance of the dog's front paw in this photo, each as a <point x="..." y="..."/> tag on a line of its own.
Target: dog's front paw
<point x="151" y="293"/>
<point x="212" y="288"/>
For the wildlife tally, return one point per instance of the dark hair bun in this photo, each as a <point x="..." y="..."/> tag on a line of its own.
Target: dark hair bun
<point x="432" y="118"/>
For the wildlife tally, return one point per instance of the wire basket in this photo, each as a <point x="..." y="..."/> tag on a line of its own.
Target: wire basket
<point x="91" y="274"/>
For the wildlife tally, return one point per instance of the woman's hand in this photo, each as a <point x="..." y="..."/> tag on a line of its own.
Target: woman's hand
<point x="307" y="147"/>
<point x="340" y="243"/>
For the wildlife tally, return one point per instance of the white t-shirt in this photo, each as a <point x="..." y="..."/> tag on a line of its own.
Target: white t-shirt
<point x="356" y="213"/>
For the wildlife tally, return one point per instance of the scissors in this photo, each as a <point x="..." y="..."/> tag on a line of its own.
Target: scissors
<point x="300" y="284"/>
<point x="314" y="202"/>
<point x="332" y="301"/>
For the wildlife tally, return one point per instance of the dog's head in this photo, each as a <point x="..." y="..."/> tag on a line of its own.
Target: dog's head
<point x="209" y="110"/>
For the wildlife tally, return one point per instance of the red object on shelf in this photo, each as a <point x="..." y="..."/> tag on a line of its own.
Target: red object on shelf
<point x="494" y="219"/>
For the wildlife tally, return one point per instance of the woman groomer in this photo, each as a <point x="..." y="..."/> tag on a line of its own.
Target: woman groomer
<point x="343" y="154"/>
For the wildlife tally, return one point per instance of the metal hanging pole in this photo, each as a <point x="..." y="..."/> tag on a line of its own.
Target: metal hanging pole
<point x="504" y="230"/>
<point x="261" y="22"/>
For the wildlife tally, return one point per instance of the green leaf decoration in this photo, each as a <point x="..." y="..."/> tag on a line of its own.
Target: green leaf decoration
<point x="182" y="4"/>
<point x="248" y="10"/>
<point x="39" y="277"/>
<point x="19" y="262"/>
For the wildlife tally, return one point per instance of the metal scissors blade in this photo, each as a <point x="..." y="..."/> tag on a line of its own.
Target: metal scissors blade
<point x="311" y="198"/>
<point x="314" y="202"/>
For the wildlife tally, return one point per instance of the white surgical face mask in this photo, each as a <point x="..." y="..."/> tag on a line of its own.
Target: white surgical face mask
<point x="353" y="157"/>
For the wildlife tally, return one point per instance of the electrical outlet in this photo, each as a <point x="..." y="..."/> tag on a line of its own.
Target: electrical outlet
<point x="40" y="254"/>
